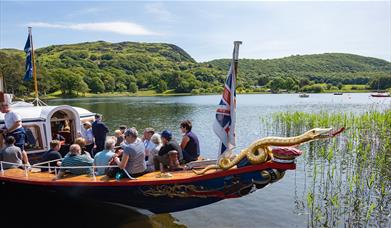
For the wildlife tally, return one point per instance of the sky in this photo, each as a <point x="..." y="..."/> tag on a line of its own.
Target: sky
<point x="207" y="29"/>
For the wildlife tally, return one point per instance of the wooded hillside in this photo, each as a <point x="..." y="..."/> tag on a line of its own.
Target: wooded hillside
<point x="99" y="67"/>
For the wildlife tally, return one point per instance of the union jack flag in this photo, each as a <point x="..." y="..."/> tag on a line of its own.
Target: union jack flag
<point x="224" y="124"/>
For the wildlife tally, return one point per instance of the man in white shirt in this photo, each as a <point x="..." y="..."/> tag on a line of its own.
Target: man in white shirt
<point x="13" y="127"/>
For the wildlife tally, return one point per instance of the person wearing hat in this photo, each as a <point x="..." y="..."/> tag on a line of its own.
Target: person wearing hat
<point x="88" y="136"/>
<point x="133" y="157"/>
<point x="170" y="147"/>
<point x="99" y="130"/>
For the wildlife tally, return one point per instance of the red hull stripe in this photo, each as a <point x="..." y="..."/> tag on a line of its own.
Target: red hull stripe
<point x="126" y="182"/>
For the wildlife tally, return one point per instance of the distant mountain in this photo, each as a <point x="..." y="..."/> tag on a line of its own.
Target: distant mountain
<point x="128" y="66"/>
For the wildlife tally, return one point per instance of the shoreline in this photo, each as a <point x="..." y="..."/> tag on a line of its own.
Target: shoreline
<point x="149" y="93"/>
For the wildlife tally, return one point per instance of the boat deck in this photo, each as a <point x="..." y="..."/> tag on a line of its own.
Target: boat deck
<point x="45" y="178"/>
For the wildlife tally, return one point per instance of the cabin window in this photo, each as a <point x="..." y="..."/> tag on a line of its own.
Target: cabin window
<point x="33" y="138"/>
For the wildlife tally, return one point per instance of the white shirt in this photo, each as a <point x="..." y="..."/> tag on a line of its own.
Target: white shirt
<point x="148" y="147"/>
<point x="10" y="118"/>
<point x="87" y="135"/>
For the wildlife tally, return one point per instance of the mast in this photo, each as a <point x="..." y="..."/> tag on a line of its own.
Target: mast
<point x="236" y="55"/>
<point x="34" y="70"/>
<point x="36" y="100"/>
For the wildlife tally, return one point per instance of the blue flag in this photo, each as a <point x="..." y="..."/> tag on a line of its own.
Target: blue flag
<point x="28" y="48"/>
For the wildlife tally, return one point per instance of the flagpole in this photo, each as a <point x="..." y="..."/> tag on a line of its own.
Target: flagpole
<point x="236" y="56"/>
<point x="34" y="70"/>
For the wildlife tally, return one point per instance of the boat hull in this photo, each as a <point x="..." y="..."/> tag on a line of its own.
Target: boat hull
<point x="162" y="196"/>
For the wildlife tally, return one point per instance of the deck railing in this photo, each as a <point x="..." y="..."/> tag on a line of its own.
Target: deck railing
<point x="56" y="168"/>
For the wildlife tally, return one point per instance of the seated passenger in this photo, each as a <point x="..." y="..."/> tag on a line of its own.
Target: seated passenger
<point x="52" y="154"/>
<point x="155" y="144"/>
<point x="119" y="137"/>
<point x="133" y="157"/>
<point x="169" y="153"/>
<point x="190" y="145"/>
<point x="76" y="159"/>
<point x="11" y="153"/>
<point x="82" y="143"/>
<point x="148" y="132"/>
<point x="104" y="157"/>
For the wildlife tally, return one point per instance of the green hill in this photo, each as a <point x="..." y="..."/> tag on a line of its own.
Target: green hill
<point x="99" y="67"/>
<point x="333" y="68"/>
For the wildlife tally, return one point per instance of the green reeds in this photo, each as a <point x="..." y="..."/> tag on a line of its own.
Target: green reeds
<point x="351" y="174"/>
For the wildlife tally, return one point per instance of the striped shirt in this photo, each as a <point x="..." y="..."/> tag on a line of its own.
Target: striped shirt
<point x="78" y="160"/>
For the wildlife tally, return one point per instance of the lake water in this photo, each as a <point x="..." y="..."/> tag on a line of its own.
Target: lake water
<point x="278" y="205"/>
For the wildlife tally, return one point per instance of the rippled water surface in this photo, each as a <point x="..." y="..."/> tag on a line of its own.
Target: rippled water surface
<point x="282" y="204"/>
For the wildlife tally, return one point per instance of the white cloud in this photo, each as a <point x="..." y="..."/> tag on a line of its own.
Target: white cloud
<point x="158" y="10"/>
<point x="120" y="27"/>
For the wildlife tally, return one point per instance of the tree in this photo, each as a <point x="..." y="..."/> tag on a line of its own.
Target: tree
<point x="133" y="87"/>
<point x="263" y="80"/>
<point x="69" y="82"/>
<point x="162" y="86"/>
<point x="340" y="85"/>
<point x="276" y="84"/>
<point x="289" y="84"/>
<point x="96" y="85"/>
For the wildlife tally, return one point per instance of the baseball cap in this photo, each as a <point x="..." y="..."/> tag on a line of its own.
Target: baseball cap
<point x="166" y="134"/>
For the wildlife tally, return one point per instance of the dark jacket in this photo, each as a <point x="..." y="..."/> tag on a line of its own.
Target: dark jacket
<point x="171" y="145"/>
<point x="99" y="130"/>
<point x="49" y="156"/>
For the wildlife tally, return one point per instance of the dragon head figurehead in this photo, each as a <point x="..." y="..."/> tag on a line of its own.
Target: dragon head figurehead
<point x="318" y="133"/>
<point x="321" y="133"/>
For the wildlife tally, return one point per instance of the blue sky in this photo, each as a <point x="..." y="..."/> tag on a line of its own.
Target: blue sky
<point x="207" y="29"/>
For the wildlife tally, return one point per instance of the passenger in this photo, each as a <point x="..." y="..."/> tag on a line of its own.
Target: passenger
<point x="123" y="128"/>
<point x="82" y="143"/>
<point x="148" y="132"/>
<point x="156" y="141"/>
<point x="88" y="136"/>
<point x="104" y="157"/>
<point x="119" y="137"/>
<point x="52" y="154"/>
<point x="170" y="147"/>
<point x="190" y="145"/>
<point x="99" y="130"/>
<point x="76" y="159"/>
<point x="11" y="153"/>
<point x="13" y="127"/>
<point x="133" y="157"/>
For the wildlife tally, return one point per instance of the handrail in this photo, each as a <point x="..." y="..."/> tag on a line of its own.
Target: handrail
<point x="63" y="167"/>
<point x="41" y="163"/>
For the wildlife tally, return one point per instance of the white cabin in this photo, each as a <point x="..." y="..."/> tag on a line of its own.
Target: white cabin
<point x="43" y="123"/>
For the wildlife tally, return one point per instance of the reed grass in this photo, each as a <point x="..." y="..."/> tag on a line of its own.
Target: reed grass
<point x="351" y="174"/>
